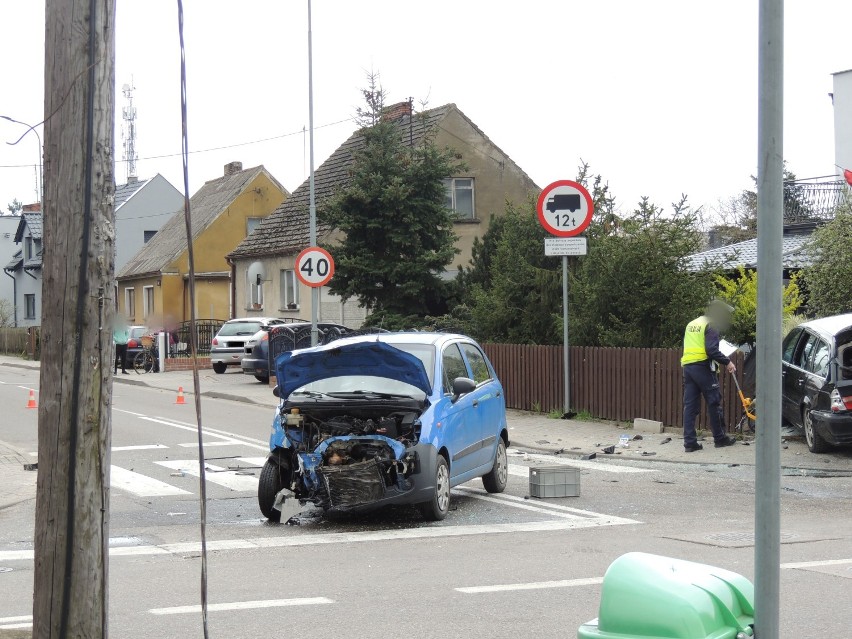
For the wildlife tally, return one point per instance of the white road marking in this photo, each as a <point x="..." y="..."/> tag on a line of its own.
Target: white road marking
<point x="428" y="532"/>
<point x="28" y="388"/>
<point x="214" y="474"/>
<point x="127" y="412"/>
<point x="16" y="626"/>
<point x="536" y="502"/>
<point x="141" y="485"/>
<point x="253" y="461"/>
<point x="118" y="449"/>
<point x="16" y="619"/>
<point x="586" y="465"/>
<point x="554" y="510"/>
<point x="229" y="442"/>
<point x="243" y="605"/>
<point x="219" y="432"/>
<point x="815" y="564"/>
<point x="535" y="585"/>
<point x="246" y="441"/>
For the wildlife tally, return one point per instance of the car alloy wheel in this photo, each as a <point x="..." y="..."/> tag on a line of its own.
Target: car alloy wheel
<point x="497" y="478"/>
<point x="442" y="487"/>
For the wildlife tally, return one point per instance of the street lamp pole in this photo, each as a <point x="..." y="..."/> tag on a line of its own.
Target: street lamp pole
<point x="38" y="137"/>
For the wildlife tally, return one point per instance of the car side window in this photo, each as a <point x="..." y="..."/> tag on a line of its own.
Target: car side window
<point x="478" y="365"/>
<point x="453" y="365"/>
<point x="790" y="342"/>
<point x="818" y="364"/>
<point x="806" y="347"/>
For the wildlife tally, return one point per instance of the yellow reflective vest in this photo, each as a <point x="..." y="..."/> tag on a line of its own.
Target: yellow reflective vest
<point x="693" y="341"/>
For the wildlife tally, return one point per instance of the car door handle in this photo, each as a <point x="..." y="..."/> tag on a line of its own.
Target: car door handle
<point x="499" y="394"/>
<point x="475" y="403"/>
<point x="801" y="382"/>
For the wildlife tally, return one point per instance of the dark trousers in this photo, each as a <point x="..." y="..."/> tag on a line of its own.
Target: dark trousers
<point x="121" y="356"/>
<point x="698" y="380"/>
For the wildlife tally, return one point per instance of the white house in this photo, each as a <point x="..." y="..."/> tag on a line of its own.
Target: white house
<point x="141" y="208"/>
<point x="842" y="100"/>
<point x="8" y="227"/>
<point x="25" y="268"/>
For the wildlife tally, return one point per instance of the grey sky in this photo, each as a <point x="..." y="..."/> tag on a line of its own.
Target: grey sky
<point x="659" y="96"/>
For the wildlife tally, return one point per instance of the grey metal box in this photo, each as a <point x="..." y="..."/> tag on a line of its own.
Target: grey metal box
<point x="554" y="481"/>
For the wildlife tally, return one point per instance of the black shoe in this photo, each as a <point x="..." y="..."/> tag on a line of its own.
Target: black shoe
<point x="693" y="448"/>
<point x="125" y="372"/>
<point x="728" y="441"/>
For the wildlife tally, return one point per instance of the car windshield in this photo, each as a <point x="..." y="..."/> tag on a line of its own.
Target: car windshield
<point x="357" y="385"/>
<point x="239" y="328"/>
<point x="138" y="331"/>
<point x="379" y="386"/>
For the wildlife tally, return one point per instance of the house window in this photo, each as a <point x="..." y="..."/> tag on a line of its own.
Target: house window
<point x="147" y="301"/>
<point x="255" y="293"/>
<point x="252" y="223"/>
<point x="289" y="290"/>
<point x="147" y="235"/>
<point x="459" y="197"/>
<point x="28" y="248"/>
<point x="130" y="302"/>
<point x="29" y="306"/>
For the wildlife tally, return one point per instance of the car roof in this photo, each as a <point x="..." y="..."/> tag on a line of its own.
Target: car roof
<point x="830" y="326"/>
<point x="405" y="337"/>
<point x="262" y="320"/>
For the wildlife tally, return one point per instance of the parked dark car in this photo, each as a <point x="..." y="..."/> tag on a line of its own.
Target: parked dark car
<point x="295" y="334"/>
<point x="817" y="381"/>
<point x="375" y="420"/>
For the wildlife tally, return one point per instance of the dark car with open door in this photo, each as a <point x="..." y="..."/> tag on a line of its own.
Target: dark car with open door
<point x="817" y="381"/>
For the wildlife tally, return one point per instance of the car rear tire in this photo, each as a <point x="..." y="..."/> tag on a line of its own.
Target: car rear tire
<point x="262" y="379"/>
<point x="437" y="508"/>
<point x="495" y="481"/>
<point x="816" y="444"/>
<point x="219" y="368"/>
<point x="273" y="477"/>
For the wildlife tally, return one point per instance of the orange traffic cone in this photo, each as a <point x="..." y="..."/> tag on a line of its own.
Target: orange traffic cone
<point x="180" y="399"/>
<point x="32" y="402"/>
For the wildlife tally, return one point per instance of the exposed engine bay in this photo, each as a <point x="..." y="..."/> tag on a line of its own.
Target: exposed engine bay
<point x="342" y="457"/>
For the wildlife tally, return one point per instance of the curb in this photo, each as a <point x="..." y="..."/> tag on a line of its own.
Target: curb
<point x="578" y="454"/>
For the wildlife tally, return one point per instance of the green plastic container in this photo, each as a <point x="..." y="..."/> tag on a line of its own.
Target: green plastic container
<point x="655" y="597"/>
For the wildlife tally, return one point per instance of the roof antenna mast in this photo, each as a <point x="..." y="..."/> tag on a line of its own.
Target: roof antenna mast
<point x="128" y="132"/>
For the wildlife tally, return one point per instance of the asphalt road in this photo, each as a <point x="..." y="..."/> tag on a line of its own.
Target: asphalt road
<point x="498" y="566"/>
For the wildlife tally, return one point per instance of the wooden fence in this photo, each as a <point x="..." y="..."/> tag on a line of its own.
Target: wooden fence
<point x="618" y="384"/>
<point x="13" y="341"/>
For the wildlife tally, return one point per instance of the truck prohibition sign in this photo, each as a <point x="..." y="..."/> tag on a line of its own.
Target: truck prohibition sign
<point x="565" y="208"/>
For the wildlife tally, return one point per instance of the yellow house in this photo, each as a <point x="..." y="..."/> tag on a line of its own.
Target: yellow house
<point x="153" y="286"/>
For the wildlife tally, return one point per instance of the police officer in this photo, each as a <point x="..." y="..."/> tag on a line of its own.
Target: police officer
<point x="701" y="355"/>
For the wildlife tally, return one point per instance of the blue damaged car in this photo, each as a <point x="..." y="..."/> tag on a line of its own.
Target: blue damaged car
<point x="375" y="420"/>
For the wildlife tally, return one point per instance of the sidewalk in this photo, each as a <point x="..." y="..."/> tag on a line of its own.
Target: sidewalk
<point x="529" y="431"/>
<point x="18" y="484"/>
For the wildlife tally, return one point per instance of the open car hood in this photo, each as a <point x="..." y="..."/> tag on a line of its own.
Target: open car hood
<point x="378" y="359"/>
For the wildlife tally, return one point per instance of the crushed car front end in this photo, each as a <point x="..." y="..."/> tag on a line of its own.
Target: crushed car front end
<point x="339" y="443"/>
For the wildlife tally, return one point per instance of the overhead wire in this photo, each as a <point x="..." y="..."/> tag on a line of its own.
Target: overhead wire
<point x="193" y="338"/>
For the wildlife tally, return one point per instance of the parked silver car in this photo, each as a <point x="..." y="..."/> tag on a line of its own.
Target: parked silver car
<point x="229" y="345"/>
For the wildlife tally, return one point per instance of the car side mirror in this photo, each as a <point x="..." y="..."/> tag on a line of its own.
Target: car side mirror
<point x="276" y="392"/>
<point x="462" y="386"/>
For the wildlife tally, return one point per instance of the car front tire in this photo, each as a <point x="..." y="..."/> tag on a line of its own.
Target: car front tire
<point x="219" y="368"/>
<point x="272" y="480"/>
<point x="816" y="444"/>
<point x="437" y="508"/>
<point x="495" y="481"/>
<point x="262" y="379"/>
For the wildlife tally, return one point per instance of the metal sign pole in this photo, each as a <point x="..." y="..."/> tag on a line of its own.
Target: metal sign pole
<point x="312" y="206"/>
<point x="565" y="353"/>
<point x="770" y="205"/>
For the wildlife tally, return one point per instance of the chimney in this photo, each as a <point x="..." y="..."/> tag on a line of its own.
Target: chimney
<point x="233" y="167"/>
<point x="396" y="111"/>
<point x="31" y="208"/>
<point x="131" y="179"/>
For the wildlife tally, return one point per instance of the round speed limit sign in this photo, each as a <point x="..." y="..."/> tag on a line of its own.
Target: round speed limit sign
<point x="565" y="208"/>
<point x="314" y="267"/>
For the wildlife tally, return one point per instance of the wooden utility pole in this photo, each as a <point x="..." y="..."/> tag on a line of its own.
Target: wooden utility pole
<point x="72" y="504"/>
